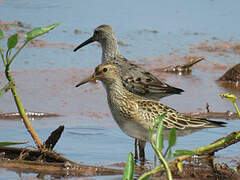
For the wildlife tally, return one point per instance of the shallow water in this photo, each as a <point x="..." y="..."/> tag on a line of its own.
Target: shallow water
<point x="156" y="34"/>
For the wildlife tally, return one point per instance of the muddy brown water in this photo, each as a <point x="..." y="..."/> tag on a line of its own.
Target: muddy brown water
<point x="46" y="74"/>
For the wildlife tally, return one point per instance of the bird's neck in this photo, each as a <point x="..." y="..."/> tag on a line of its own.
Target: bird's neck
<point x="116" y="90"/>
<point x="109" y="49"/>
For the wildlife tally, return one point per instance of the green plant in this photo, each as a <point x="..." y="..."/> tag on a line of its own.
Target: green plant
<point x="181" y="155"/>
<point x="6" y="88"/>
<point x="2" y="144"/>
<point x="7" y="61"/>
<point x="159" y="145"/>
<point x="233" y="98"/>
<point x="129" y="168"/>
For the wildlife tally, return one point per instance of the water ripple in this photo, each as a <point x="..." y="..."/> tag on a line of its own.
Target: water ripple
<point x="85" y="131"/>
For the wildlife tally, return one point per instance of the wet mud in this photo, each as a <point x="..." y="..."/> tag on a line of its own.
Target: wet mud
<point x="219" y="47"/>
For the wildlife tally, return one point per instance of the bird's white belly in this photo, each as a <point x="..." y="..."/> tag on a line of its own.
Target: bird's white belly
<point x="130" y="127"/>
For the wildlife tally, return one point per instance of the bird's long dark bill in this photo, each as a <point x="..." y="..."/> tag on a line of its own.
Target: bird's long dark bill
<point x="89" y="79"/>
<point x="90" y="40"/>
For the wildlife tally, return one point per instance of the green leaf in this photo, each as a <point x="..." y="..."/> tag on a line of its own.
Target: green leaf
<point x="129" y="168"/>
<point x="169" y="154"/>
<point x="12" y="41"/>
<point x="1" y="51"/>
<point x="158" y="119"/>
<point x="183" y="152"/>
<point x="40" y="31"/>
<point x="1" y="34"/>
<point x="172" y="137"/>
<point x="160" y="136"/>
<point x="10" y="143"/>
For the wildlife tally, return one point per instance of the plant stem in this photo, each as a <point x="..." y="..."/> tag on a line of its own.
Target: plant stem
<point x="2" y="55"/>
<point x="159" y="168"/>
<point x="164" y="162"/>
<point x="165" y="154"/>
<point x="221" y="143"/>
<point x="235" y="105"/>
<point x="18" y="52"/>
<point x="21" y="110"/>
<point x="6" y="88"/>
<point x="154" y="171"/>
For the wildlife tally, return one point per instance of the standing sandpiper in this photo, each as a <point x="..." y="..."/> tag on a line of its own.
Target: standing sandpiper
<point x="135" y="114"/>
<point x="134" y="78"/>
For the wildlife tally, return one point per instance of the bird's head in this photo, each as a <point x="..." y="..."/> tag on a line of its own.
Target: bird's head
<point x="106" y="72"/>
<point x="101" y="34"/>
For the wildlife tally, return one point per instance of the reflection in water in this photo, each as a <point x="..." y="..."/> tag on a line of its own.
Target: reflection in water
<point x="86" y="131"/>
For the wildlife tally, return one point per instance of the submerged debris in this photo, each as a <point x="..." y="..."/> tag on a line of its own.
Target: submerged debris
<point x="48" y="162"/>
<point x="216" y="115"/>
<point x="53" y="138"/>
<point x="198" y="169"/>
<point x="31" y="114"/>
<point x="7" y="26"/>
<point x="182" y="69"/>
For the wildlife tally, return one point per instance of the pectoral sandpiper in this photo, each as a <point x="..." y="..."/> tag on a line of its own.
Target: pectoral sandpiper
<point x="134" y="78"/>
<point x="134" y="114"/>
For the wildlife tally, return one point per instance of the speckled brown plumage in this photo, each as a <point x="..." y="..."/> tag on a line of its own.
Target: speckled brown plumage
<point x="136" y="79"/>
<point x="135" y="114"/>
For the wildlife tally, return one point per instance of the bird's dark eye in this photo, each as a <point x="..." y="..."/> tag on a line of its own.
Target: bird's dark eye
<point x="105" y="69"/>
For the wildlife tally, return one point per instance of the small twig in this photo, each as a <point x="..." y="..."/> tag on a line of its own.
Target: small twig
<point x="207" y="107"/>
<point x="217" y="115"/>
<point x="136" y="149"/>
<point x="191" y="63"/>
<point x="185" y="68"/>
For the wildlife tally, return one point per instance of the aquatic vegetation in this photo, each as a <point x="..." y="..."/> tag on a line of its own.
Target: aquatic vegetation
<point x="157" y="146"/>
<point x="233" y="98"/>
<point x="129" y="168"/>
<point x="180" y="155"/>
<point x="7" y="61"/>
<point x="2" y="144"/>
